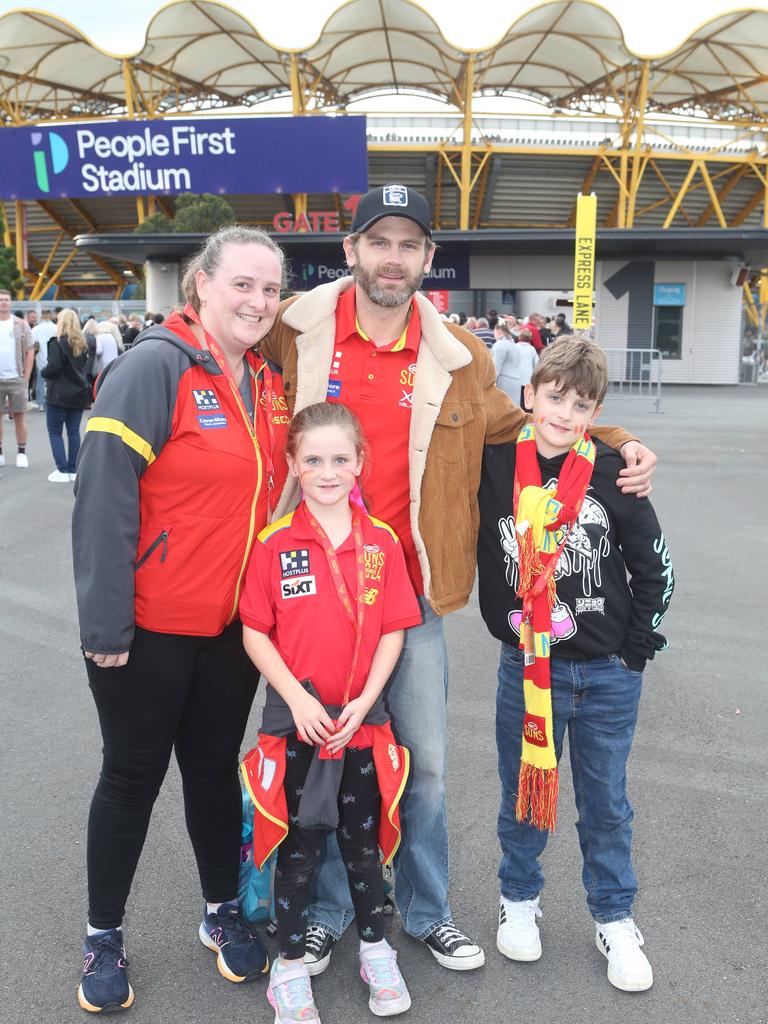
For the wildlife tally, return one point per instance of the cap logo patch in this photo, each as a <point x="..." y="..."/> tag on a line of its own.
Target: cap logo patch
<point x="395" y="195"/>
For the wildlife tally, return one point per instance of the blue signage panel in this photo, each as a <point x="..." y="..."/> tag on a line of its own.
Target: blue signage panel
<point x="452" y="273"/>
<point x="669" y="295"/>
<point x="236" y="156"/>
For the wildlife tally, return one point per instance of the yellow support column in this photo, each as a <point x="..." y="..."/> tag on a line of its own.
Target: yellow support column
<point x="466" y="145"/>
<point x="21" y="241"/>
<point x="298" y="102"/>
<point x="7" y="238"/>
<point x="128" y="89"/>
<point x="637" y="165"/>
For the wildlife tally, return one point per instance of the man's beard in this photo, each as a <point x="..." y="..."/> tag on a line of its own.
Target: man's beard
<point x="385" y="296"/>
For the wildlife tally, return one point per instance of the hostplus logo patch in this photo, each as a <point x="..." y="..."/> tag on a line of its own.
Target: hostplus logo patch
<point x="51" y="156"/>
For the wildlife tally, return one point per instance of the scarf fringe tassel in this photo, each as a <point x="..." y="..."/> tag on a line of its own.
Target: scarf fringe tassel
<point x="537" y="796"/>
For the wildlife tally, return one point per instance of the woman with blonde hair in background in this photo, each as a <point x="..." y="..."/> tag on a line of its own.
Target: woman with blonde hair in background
<point x="68" y="373"/>
<point x="109" y="345"/>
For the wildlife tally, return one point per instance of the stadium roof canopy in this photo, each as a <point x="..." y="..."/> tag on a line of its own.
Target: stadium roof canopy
<point x="570" y="54"/>
<point x="670" y="139"/>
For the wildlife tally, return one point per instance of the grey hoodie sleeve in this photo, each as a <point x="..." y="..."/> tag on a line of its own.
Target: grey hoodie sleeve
<point x="130" y="422"/>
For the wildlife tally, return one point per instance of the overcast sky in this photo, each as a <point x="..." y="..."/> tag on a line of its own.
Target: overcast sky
<point x="650" y="27"/>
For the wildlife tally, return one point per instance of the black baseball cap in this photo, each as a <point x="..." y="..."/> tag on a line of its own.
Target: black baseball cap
<point x="392" y="201"/>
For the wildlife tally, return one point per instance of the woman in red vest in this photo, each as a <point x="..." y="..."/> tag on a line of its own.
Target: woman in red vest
<point x="182" y="457"/>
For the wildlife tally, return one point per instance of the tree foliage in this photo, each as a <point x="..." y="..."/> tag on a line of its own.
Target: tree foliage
<point x="195" y="214"/>
<point x="10" y="277"/>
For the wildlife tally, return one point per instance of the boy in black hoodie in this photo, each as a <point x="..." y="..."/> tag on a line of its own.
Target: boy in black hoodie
<point x="557" y="542"/>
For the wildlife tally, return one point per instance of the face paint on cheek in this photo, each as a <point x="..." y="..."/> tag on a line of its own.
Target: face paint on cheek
<point x="542" y="419"/>
<point x="307" y="474"/>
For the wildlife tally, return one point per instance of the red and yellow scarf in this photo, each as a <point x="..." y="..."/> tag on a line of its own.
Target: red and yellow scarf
<point x="542" y="520"/>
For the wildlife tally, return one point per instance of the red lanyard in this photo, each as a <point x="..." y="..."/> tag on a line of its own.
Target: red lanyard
<point x="357" y="619"/>
<point x="226" y="369"/>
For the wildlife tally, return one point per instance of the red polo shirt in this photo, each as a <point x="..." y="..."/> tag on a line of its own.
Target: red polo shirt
<point x="376" y="383"/>
<point x="290" y="594"/>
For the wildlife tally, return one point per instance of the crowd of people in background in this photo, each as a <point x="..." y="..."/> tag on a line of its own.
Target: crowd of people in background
<point x="515" y="343"/>
<point x="57" y="358"/>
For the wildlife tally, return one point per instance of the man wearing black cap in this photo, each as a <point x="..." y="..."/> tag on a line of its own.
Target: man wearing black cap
<point x="425" y="393"/>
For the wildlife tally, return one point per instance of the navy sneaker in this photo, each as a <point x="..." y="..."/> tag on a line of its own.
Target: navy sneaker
<point x="105" y="980"/>
<point x="240" y="955"/>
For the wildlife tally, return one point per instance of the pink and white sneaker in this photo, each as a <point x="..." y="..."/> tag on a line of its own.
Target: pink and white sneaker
<point x="290" y="995"/>
<point x="378" y="968"/>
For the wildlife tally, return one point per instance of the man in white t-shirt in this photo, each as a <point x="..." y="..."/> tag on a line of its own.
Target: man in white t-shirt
<point x="41" y="335"/>
<point x="17" y="356"/>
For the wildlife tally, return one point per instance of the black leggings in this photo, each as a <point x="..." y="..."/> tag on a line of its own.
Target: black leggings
<point x="188" y="692"/>
<point x="357" y="836"/>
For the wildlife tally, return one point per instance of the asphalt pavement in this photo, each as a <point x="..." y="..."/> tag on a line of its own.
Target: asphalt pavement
<point x="698" y="779"/>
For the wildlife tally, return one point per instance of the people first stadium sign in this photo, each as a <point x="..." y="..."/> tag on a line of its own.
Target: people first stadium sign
<point x="236" y="156"/>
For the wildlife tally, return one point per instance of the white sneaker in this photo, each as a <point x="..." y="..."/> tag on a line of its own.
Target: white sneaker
<point x="58" y="478"/>
<point x="628" y="967"/>
<point x="388" y="991"/>
<point x="22" y="462"/>
<point x="518" y="935"/>
<point x="2" y="459"/>
<point x="72" y="477"/>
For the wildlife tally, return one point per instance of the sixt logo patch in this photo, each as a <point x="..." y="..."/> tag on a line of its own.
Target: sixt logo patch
<point x="301" y="586"/>
<point x="205" y="399"/>
<point x="294" y="563"/>
<point x="50" y="159"/>
<point x="535" y="730"/>
<point x="395" y="195"/>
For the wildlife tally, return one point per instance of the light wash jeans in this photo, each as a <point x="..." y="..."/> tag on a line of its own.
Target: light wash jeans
<point x="416" y="697"/>
<point x="597" y="701"/>
<point x="40" y="388"/>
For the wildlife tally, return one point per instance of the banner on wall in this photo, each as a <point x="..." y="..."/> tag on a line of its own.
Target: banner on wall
<point x="451" y="273"/>
<point x="232" y="156"/>
<point x="584" y="261"/>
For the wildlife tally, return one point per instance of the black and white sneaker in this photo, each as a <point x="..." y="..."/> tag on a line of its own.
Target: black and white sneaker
<point x="320" y="945"/>
<point x="453" y="949"/>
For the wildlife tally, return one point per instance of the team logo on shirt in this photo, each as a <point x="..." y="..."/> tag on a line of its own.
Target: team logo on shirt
<point x="371" y="593"/>
<point x="374" y="563"/>
<point x="407" y="377"/>
<point x="294" y="563"/>
<point x="299" y="586"/>
<point x="394" y="757"/>
<point x="205" y="399"/>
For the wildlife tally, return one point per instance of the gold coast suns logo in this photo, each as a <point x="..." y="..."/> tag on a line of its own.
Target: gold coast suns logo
<point x="535" y="730"/>
<point x="374" y="562"/>
<point x="407" y="377"/>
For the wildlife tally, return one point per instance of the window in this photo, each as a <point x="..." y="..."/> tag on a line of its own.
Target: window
<point x="668" y="331"/>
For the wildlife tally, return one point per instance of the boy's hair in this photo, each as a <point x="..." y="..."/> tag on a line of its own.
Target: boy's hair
<point x="574" y="362"/>
<point x="324" y="414"/>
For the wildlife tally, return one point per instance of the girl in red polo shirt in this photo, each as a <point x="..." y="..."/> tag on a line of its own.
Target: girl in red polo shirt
<point x="326" y="601"/>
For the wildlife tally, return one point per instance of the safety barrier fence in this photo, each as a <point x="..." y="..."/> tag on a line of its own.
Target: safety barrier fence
<point x="635" y="373"/>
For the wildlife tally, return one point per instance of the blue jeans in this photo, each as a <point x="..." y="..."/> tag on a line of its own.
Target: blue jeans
<point x="416" y="696"/>
<point x="40" y="389"/>
<point x="598" y="702"/>
<point x="56" y="418"/>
